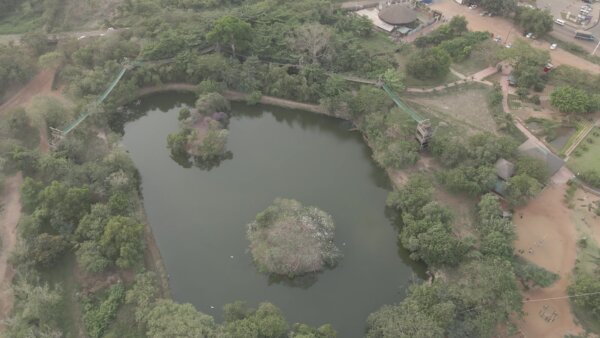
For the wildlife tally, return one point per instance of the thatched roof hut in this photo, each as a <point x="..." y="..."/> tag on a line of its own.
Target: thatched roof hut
<point x="397" y="14"/>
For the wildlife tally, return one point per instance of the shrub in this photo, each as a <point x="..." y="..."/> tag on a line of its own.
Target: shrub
<point x="591" y="177"/>
<point x="97" y="317"/>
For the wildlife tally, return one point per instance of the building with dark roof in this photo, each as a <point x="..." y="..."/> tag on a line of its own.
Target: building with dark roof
<point x="553" y="162"/>
<point x="504" y="169"/>
<point x="397" y="14"/>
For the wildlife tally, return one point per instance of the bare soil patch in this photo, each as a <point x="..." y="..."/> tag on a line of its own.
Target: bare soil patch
<point x="11" y="213"/>
<point x="547" y="236"/>
<point x="40" y="84"/>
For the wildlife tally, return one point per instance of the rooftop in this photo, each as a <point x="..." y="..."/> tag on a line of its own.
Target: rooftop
<point x="504" y="169"/>
<point x="553" y="162"/>
<point x="397" y="14"/>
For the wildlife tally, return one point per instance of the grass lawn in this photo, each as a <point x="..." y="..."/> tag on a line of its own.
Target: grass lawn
<point x="413" y="82"/>
<point x="18" y="24"/>
<point x="68" y="310"/>
<point x="589" y="153"/>
<point x="378" y="43"/>
<point x="464" y="106"/>
<point x="471" y="65"/>
<point x="479" y="59"/>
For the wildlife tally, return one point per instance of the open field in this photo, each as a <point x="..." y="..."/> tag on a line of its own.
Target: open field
<point x="547" y="236"/>
<point x="589" y="153"/>
<point x="465" y="105"/>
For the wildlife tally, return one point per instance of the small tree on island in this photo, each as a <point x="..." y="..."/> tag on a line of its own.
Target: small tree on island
<point x="290" y="239"/>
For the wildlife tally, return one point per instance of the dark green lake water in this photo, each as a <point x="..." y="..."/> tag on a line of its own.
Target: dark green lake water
<point x="199" y="217"/>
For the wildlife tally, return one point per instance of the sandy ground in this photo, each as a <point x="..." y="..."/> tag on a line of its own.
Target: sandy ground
<point x="547" y="236"/>
<point x="40" y="84"/>
<point x="508" y="32"/>
<point x="11" y="212"/>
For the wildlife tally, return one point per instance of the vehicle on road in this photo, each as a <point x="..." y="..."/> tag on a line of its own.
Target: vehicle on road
<point x="584" y="35"/>
<point x="559" y="22"/>
<point x="553" y="46"/>
<point x="81" y="37"/>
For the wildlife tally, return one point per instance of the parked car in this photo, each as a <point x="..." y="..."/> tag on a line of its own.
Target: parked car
<point x="508" y="45"/>
<point x="553" y="46"/>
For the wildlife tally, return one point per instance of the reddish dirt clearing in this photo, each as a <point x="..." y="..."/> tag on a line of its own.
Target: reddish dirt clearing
<point x="547" y="236"/>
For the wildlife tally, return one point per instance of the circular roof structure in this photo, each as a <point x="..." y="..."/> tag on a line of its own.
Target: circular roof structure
<point x="397" y="14"/>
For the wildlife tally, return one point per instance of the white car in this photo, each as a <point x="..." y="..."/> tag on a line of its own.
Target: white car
<point x="529" y="35"/>
<point x="110" y="29"/>
<point x="472" y="6"/>
<point x="553" y="46"/>
<point x="81" y="37"/>
<point x="508" y="45"/>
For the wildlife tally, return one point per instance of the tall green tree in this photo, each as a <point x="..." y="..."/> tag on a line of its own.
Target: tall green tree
<point x="167" y="319"/>
<point x="232" y="31"/>
<point x="521" y="188"/>
<point x="570" y="100"/>
<point x="122" y="241"/>
<point x="536" y="21"/>
<point x="429" y="63"/>
<point x="425" y="313"/>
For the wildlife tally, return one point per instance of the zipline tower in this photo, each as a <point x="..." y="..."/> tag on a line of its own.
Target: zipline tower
<point x="424" y="131"/>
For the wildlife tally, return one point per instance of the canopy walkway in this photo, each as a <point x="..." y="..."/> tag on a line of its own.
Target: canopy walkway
<point x="415" y="116"/>
<point x="423" y="128"/>
<point x="424" y="132"/>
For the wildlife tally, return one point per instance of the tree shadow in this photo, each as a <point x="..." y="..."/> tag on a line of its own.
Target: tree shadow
<point x="187" y="161"/>
<point x="304" y="281"/>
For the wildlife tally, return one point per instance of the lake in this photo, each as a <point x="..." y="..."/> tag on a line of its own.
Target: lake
<point x="199" y="217"/>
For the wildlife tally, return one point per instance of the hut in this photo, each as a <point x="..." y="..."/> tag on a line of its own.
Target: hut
<point x="397" y="15"/>
<point x="553" y="162"/>
<point x="504" y="169"/>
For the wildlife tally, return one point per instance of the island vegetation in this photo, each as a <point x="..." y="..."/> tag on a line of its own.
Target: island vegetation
<point x="289" y="239"/>
<point x="203" y="134"/>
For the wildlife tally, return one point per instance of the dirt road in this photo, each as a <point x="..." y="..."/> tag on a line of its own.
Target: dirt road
<point x="505" y="28"/>
<point x="40" y="84"/>
<point x="547" y="236"/>
<point x="11" y="212"/>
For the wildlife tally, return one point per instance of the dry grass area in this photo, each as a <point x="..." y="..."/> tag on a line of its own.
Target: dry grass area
<point x="464" y="105"/>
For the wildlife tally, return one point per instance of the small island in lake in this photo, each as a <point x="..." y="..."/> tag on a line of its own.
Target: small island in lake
<point x="203" y="132"/>
<point x="289" y="239"/>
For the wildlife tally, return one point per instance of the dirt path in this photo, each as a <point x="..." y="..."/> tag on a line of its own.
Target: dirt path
<point x="40" y="84"/>
<point x="11" y="212"/>
<point x="547" y="236"/>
